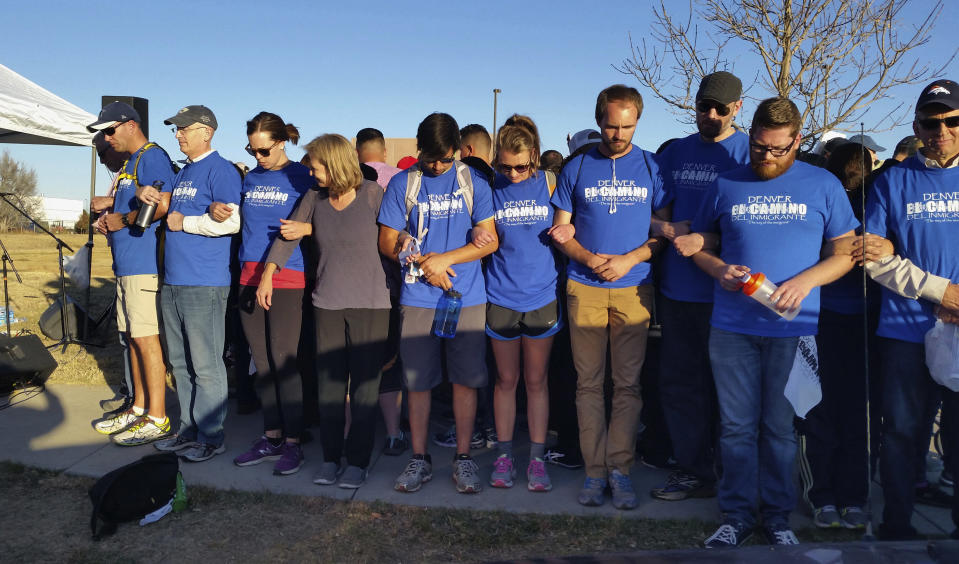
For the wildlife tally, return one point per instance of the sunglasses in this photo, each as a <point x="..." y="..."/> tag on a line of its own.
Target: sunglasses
<point x="704" y="106"/>
<point x="447" y="160"/>
<point x="520" y="169"/>
<point x="111" y="131"/>
<point x="774" y="151"/>
<point x="262" y="152"/>
<point x="932" y="124"/>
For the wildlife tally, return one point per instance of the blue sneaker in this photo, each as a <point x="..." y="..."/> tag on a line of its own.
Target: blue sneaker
<point x="624" y="496"/>
<point x="591" y="494"/>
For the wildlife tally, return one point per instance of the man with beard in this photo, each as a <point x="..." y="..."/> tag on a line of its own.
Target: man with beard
<point x="687" y="393"/>
<point x="771" y="217"/>
<point x="609" y="193"/>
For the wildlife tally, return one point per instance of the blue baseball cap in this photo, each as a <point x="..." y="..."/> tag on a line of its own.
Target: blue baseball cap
<point x="113" y="113"/>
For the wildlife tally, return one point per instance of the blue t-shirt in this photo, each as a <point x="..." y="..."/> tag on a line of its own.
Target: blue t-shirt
<point x="522" y="274"/>
<point x="612" y="203"/>
<point x="689" y="167"/>
<point x="268" y="196"/>
<point x="917" y="208"/>
<point x="198" y="260"/>
<point x="776" y="227"/>
<point x="135" y="249"/>
<point x="449" y="224"/>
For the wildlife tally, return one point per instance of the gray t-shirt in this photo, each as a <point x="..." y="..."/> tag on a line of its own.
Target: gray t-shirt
<point x="351" y="273"/>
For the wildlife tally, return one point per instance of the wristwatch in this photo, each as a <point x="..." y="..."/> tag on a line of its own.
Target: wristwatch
<point x="124" y="220"/>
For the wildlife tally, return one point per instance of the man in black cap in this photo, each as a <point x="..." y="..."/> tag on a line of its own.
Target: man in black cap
<point x="916" y="204"/>
<point x="687" y="392"/>
<point x="203" y="211"/>
<point x="135" y="265"/>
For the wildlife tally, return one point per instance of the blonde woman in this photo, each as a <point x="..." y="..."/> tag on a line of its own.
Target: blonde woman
<point x="351" y="303"/>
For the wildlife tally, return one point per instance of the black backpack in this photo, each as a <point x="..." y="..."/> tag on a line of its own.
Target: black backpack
<point x="133" y="491"/>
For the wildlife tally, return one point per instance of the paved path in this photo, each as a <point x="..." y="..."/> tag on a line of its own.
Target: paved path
<point x="53" y="430"/>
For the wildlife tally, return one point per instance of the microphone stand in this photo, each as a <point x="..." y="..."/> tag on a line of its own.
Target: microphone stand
<point x="6" y="294"/>
<point x="66" y="339"/>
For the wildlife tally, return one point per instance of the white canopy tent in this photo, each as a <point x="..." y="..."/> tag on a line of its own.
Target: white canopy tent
<point x="30" y="114"/>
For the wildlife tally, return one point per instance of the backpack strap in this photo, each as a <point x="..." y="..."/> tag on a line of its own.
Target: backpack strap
<point x="465" y="181"/>
<point x="550" y="181"/>
<point x="413" y="182"/>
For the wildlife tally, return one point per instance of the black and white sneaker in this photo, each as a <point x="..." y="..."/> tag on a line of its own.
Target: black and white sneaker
<point x="730" y="534"/>
<point x="780" y="534"/>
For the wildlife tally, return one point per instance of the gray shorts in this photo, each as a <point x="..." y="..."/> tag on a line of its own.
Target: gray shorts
<point x="421" y="351"/>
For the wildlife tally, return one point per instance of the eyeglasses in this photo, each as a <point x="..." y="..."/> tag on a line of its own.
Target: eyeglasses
<point x="112" y="130"/>
<point x="932" y="124"/>
<point x="774" y="151"/>
<point x="520" y="169"/>
<point x="704" y="106"/>
<point x="446" y="160"/>
<point x="262" y="152"/>
<point x="179" y="129"/>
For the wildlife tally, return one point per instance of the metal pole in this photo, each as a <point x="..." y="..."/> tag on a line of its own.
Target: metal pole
<point x="496" y="92"/>
<point x="89" y="245"/>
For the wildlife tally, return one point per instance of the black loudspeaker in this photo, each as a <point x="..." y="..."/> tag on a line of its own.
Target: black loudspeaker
<point x="139" y="104"/>
<point x="24" y="361"/>
<point x="50" y="321"/>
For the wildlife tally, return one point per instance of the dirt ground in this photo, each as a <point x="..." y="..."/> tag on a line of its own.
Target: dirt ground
<point x="46" y="519"/>
<point x="35" y="258"/>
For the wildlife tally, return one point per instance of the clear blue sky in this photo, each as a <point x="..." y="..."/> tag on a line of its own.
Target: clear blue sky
<point x="333" y="67"/>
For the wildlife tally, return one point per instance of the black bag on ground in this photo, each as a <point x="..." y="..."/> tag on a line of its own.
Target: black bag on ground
<point x="133" y="491"/>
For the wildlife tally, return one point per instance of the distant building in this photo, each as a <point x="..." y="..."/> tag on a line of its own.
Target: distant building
<point x="60" y="212"/>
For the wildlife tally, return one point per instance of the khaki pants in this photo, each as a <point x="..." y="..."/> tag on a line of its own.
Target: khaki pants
<point x="619" y="316"/>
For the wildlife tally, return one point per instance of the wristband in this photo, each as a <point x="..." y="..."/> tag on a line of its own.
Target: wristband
<point x="124" y="220"/>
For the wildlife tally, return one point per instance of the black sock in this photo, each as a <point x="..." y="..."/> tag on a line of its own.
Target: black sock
<point x="275" y="441"/>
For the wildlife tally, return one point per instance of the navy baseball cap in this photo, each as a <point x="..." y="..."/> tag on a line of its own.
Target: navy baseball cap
<point x="113" y="113"/>
<point x="945" y="92"/>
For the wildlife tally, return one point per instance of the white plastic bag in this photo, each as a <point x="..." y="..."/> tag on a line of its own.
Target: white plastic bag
<point x="942" y="354"/>
<point x="76" y="267"/>
<point x="803" y="389"/>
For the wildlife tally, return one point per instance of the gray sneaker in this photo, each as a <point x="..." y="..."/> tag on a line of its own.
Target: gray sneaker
<point x="466" y="476"/>
<point x="353" y="477"/>
<point x="144" y="431"/>
<point x="327" y="474"/>
<point x="827" y="517"/>
<point x="854" y="518"/>
<point x="174" y="444"/>
<point x="592" y="492"/>
<point x="537" y="479"/>
<point x="504" y="472"/>
<point x="417" y="472"/>
<point x="202" y="452"/>
<point x="624" y="496"/>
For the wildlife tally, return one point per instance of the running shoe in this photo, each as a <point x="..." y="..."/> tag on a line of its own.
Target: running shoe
<point x="730" y="534"/>
<point x="537" y="480"/>
<point x="144" y="431"/>
<point x="504" y="472"/>
<point x="466" y="475"/>
<point x="261" y="450"/>
<point x="418" y="471"/>
<point x="117" y="423"/>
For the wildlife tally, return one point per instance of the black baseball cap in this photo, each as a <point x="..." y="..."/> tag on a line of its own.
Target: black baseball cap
<point x="945" y="92"/>
<point x="192" y="114"/>
<point x="720" y="86"/>
<point x="113" y="113"/>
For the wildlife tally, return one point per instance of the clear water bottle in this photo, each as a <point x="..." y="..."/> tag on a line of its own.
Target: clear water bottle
<point x="447" y="314"/>
<point x="759" y="288"/>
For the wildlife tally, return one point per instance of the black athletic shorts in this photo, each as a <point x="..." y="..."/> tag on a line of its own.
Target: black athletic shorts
<point x="506" y="324"/>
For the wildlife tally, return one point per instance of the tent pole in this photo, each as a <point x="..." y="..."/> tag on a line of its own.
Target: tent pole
<point x="89" y="245"/>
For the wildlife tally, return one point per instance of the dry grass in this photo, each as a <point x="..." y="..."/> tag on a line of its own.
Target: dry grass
<point x="224" y="526"/>
<point x="35" y="256"/>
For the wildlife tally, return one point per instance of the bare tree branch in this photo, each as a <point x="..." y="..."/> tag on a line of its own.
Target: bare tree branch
<point x="834" y="58"/>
